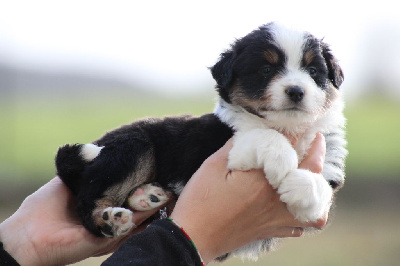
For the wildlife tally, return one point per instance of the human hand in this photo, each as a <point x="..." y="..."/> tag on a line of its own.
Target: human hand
<point x="46" y="230"/>
<point x="223" y="210"/>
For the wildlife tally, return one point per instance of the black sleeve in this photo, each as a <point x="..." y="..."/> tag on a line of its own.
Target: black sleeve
<point x="5" y="258"/>
<point x="162" y="243"/>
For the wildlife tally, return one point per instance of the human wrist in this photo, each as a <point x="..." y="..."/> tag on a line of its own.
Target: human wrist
<point x="16" y="241"/>
<point x="187" y="236"/>
<point x="201" y="240"/>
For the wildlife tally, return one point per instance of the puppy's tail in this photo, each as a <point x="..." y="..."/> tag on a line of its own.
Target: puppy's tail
<point x="71" y="160"/>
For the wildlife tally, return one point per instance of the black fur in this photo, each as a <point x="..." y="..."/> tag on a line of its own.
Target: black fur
<point x="168" y="151"/>
<point x="245" y="61"/>
<point x="245" y="66"/>
<point x="336" y="75"/>
<point x="173" y="142"/>
<point x="70" y="166"/>
<point x="319" y="64"/>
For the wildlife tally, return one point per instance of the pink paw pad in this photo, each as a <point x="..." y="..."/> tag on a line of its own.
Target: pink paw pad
<point x="147" y="197"/>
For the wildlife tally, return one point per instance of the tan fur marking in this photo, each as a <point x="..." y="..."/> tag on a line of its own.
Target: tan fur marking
<point x="240" y="99"/>
<point x="331" y="95"/>
<point x="271" y="56"/>
<point x="308" y="57"/>
<point x="97" y="214"/>
<point x="116" y="195"/>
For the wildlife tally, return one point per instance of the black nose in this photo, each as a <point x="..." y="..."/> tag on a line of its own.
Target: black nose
<point x="295" y="94"/>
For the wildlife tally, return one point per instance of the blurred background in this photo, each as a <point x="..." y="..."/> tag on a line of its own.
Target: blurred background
<point x="71" y="70"/>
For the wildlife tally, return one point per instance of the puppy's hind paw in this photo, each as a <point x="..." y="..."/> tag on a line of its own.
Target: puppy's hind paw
<point x="117" y="221"/>
<point x="147" y="197"/>
<point x="308" y="196"/>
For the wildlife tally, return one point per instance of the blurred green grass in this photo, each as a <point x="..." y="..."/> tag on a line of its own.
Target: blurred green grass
<point x="34" y="127"/>
<point x="373" y="127"/>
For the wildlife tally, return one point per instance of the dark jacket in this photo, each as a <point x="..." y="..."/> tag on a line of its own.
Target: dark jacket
<point x="162" y="243"/>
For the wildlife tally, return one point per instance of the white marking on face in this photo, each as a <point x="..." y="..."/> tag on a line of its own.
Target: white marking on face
<point x="291" y="42"/>
<point x="314" y="97"/>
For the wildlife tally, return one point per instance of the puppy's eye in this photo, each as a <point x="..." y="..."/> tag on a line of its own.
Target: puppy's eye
<point x="266" y="70"/>
<point x="312" y="71"/>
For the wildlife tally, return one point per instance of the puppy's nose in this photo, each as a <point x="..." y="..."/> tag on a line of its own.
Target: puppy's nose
<point x="295" y="93"/>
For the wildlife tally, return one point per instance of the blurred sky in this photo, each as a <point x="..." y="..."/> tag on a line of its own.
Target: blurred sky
<point x="169" y="44"/>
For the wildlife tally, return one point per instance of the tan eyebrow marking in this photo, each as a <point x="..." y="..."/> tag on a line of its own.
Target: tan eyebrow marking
<point x="308" y="57"/>
<point x="271" y="56"/>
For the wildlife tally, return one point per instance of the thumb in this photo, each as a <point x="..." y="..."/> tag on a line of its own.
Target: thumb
<point x="315" y="158"/>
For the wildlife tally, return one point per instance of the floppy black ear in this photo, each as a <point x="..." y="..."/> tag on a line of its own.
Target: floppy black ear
<point x="222" y="73"/>
<point x="335" y="71"/>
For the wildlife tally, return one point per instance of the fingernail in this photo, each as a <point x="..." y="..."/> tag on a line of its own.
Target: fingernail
<point x="298" y="231"/>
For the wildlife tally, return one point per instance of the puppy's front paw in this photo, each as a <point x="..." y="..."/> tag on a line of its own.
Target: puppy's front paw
<point x="242" y="156"/>
<point x="117" y="221"/>
<point x="263" y="148"/>
<point x="308" y="196"/>
<point x="279" y="162"/>
<point x="147" y="197"/>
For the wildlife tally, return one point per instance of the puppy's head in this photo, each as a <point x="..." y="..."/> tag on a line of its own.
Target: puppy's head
<point x="279" y="74"/>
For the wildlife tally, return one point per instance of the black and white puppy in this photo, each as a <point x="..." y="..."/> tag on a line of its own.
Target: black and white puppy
<point x="273" y="82"/>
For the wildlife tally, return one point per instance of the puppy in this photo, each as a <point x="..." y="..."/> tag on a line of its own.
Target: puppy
<point x="273" y="82"/>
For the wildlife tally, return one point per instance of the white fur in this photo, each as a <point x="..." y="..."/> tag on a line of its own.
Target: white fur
<point x="254" y="249"/>
<point x="266" y="149"/>
<point x="307" y="195"/>
<point x="120" y="219"/>
<point x="311" y="104"/>
<point x="291" y="41"/>
<point x="258" y="145"/>
<point x="178" y="187"/>
<point x="259" y="142"/>
<point x="90" y="151"/>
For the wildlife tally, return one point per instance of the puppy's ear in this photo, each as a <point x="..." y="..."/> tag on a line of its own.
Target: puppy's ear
<point x="222" y="73"/>
<point x="335" y="71"/>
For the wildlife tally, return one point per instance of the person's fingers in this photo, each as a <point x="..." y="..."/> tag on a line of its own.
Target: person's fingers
<point x="314" y="161"/>
<point x="293" y="139"/>
<point x="285" y="218"/>
<point x="319" y="223"/>
<point x="283" y="231"/>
